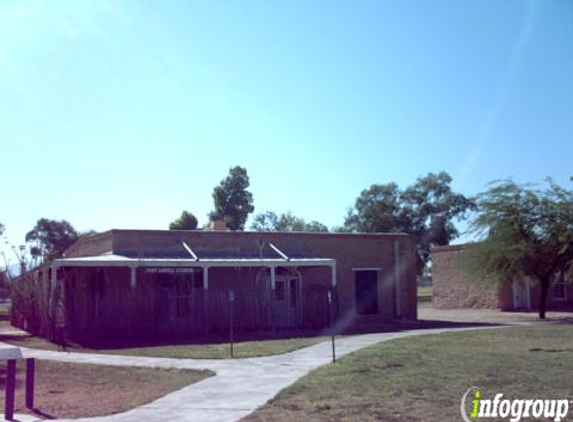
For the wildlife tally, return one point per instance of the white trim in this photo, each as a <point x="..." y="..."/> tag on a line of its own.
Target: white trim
<point x="281" y="253"/>
<point x="205" y="278"/>
<point x="273" y="279"/>
<point x="118" y="261"/>
<point x="188" y="249"/>
<point x="333" y="270"/>
<point x="133" y="277"/>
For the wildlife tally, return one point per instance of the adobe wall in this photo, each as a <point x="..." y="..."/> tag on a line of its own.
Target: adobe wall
<point x="453" y="288"/>
<point x="350" y="251"/>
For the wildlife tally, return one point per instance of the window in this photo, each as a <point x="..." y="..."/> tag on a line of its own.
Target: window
<point x="366" y="292"/>
<point x="559" y="288"/>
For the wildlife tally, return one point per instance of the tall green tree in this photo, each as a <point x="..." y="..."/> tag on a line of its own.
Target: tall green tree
<point x="50" y="238"/>
<point x="431" y="206"/>
<point x="270" y="221"/>
<point x="425" y="210"/>
<point x="233" y="202"/>
<point x="525" y="232"/>
<point x="187" y="221"/>
<point x="377" y="209"/>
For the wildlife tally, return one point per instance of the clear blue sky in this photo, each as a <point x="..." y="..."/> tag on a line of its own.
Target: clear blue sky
<point x="120" y="114"/>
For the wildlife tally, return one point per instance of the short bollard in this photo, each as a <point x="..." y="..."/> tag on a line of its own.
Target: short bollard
<point x="10" y="389"/>
<point x="30" y="382"/>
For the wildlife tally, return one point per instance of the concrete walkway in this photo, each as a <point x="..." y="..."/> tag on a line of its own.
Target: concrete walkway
<point x="239" y="387"/>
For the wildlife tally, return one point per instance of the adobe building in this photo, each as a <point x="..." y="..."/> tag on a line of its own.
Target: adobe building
<point x="455" y="289"/>
<point x="135" y="284"/>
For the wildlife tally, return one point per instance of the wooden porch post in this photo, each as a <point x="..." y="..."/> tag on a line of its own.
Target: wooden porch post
<point x="397" y="275"/>
<point x="273" y="293"/>
<point x="206" y="321"/>
<point x="133" y="319"/>
<point x="333" y="275"/>
<point x="133" y="278"/>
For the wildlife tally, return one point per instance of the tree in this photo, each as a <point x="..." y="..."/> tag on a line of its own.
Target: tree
<point x="524" y="232"/>
<point x="265" y="222"/>
<point x="377" y="209"/>
<point x="50" y="238"/>
<point x="425" y="210"/>
<point x="187" y="221"/>
<point x="431" y="206"/>
<point x="233" y="202"/>
<point x="269" y="221"/>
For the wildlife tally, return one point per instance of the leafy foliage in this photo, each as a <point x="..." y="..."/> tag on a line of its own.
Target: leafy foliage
<point x="50" y="238"/>
<point x="269" y="221"/>
<point x="524" y="231"/>
<point x="187" y="221"/>
<point x="425" y="210"/>
<point x="233" y="202"/>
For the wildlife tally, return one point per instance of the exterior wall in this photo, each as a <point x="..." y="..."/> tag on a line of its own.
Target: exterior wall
<point x="553" y="303"/>
<point x="453" y="288"/>
<point x="350" y="251"/>
<point x="102" y="305"/>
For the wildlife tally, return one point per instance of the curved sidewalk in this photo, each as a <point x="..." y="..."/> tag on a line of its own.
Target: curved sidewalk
<point x="239" y="387"/>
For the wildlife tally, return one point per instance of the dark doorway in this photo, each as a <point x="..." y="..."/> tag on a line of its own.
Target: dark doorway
<point x="366" y="292"/>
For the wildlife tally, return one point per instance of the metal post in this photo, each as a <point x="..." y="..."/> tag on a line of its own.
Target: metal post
<point x="30" y="382"/>
<point x="331" y="326"/>
<point x="10" y="390"/>
<point x="231" y="301"/>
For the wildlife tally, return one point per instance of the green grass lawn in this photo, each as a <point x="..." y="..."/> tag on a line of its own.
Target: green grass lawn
<point x="184" y="351"/>
<point x="423" y="378"/>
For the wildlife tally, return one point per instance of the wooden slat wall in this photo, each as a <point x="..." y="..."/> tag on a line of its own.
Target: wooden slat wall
<point x="102" y="308"/>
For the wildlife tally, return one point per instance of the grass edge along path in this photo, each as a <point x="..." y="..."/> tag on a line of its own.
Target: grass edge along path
<point x="247" y="349"/>
<point x="423" y="378"/>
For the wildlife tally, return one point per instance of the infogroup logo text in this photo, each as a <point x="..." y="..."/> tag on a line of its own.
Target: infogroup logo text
<point x="475" y="407"/>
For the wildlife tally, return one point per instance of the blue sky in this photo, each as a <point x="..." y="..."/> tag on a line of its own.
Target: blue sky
<point x="120" y="114"/>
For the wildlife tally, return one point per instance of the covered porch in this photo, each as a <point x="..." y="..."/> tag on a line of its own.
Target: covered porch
<point x="108" y="295"/>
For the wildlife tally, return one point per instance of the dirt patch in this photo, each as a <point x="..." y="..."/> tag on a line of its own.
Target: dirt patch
<point x="71" y="390"/>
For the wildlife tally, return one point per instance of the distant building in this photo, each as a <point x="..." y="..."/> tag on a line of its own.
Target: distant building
<point x="455" y="289"/>
<point x="134" y="284"/>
